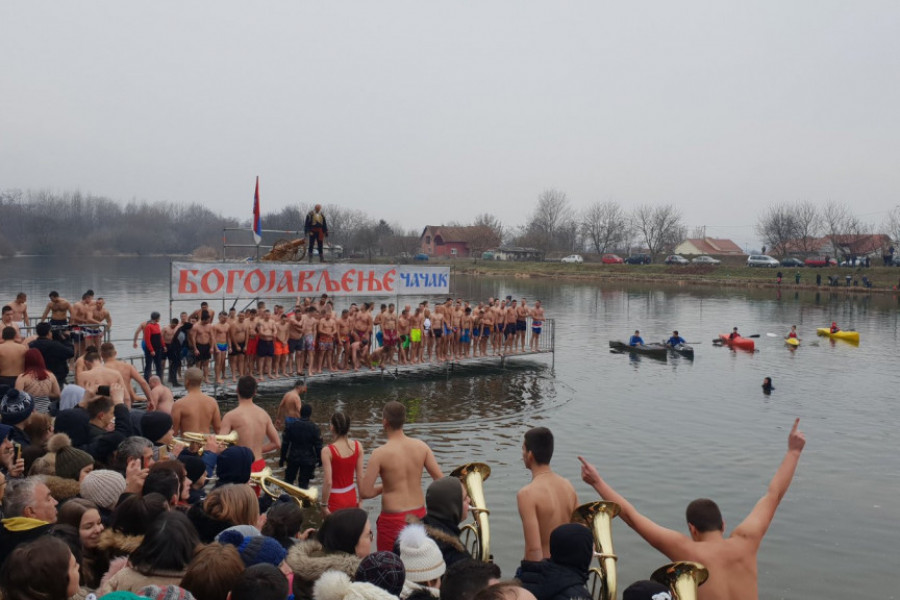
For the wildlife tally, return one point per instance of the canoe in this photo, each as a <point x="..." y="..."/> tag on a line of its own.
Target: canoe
<point x="847" y="336"/>
<point x="652" y="350"/>
<point x="683" y="349"/>
<point x="792" y="342"/>
<point x="738" y="342"/>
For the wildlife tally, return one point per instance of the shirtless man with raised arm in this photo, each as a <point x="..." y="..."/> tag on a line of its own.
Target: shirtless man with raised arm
<point x="399" y="463"/>
<point x="196" y="411"/>
<point x="127" y="370"/>
<point x="548" y="501"/>
<point x="731" y="561"/>
<point x="253" y="425"/>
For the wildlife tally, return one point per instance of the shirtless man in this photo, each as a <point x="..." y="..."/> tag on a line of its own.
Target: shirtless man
<point x="548" y="501"/>
<point x="20" y="313"/>
<point x="399" y="463"/>
<point x="487" y="328"/>
<point x="344" y="325"/>
<point x="415" y="335"/>
<point x="509" y="330"/>
<point x="403" y="331"/>
<point x="238" y="333"/>
<point x="253" y="425"/>
<point x="289" y="409"/>
<point x="537" y="323"/>
<point x="252" y="343"/>
<point x="731" y="561"/>
<point x="307" y="357"/>
<point x="362" y="323"/>
<point x="128" y="372"/>
<point x="201" y="341"/>
<point x="83" y="317"/>
<point x="325" y="334"/>
<point x="98" y="374"/>
<point x="222" y="339"/>
<point x="196" y="411"/>
<point x="12" y="357"/>
<point x="521" y="325"/>
<point x="467" y="326"/>
<point x="282" y="334"/>
<point x="437" y="331"/>
<point x="265" y="347"/>
<point x="101" y="316"/>
<point x="58" y="310"/>
<point x="160" y="398"/>
<point x="389" y="333"/>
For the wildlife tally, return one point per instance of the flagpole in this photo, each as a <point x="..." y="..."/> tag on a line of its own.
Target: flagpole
<point x="257" y="220"/>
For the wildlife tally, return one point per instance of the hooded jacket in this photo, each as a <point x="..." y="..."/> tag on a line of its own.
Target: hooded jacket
<point x="19" y="530"/>
<point x="308" y="560"/>
<point x="548" y="580"/>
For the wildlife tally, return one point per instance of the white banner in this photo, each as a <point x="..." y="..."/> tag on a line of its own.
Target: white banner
<point x="192" y="281"/>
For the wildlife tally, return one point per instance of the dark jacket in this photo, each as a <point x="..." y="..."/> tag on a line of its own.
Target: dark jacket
<point x="548" y="580"/>
<point x="310" y="226"/>
<point x="444" y="535"/>
<point x="56" y="356"/>
<point x="19" y="530"/>
<point x="76" y="423"/>
<point x="302" y="443"/>
<point x="207" y="527"/>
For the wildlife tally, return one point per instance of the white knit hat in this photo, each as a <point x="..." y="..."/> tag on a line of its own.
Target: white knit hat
<point x="103" y="488"/>
<point x="336" y="585"/>
<point x="420" y="555"/>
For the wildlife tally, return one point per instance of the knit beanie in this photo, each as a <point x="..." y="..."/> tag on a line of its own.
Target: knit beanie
<point x="103" y="487"/>
<point x="572" y="545"/>
<point x="69" y="461"/>
<point x="384" y="569"/>
<point x="155" y="425"/>
<point x="646" y="590"/>
<point x="15" y="407"/>
<point x="165" y="592"/>
<point x="193" y="466"/>
<point x="255" y="550"/>
<point x="420" y="555"/>
<point x="443" y="500"/>
<point x="336" y="585"/>
<point x="233" y="465"/>
<point x="5" y="432"/>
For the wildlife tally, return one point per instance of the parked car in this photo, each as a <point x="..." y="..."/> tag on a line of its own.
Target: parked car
<point x="573" y="258"/>
<point x="611" y="259"/>
<point x="421" y="256"/>
<point x="819" y="261"/>
<point x="761" y="260"/>
<point x="706" y="260"/>
<point x="639" y="259"/>
<point x="676" y="259"/>
<point x="792" y="262"/>
<point x="854" y="262"/>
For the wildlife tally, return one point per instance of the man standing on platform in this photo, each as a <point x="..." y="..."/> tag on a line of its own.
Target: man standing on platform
<point x="317" y="230"/>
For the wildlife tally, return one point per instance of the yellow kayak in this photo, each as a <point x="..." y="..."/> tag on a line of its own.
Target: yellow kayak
<point x="847" y="336"/>
<point x="794" y="342"/>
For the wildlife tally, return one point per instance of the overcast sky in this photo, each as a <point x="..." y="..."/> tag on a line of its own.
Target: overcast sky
<point x="423" y="112"/>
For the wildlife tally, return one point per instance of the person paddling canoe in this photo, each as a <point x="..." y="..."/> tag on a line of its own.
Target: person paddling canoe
<point x="676" y="340"/>
<point x="636" y="339"/>
<point x="834" y="327"/>
<point x="792" y="334"/>
<point x="734" y="334"/>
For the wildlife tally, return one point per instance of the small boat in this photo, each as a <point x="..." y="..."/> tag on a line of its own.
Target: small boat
<point x="682" y="349"/>
<point x="792" y="342"/>
<point x="737" y="342"/>
<point x="652" y="350"/>
<point x="847" y="336"/>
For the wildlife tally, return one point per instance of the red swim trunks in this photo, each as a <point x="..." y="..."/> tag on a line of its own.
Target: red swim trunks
<point x="389" y="526"/>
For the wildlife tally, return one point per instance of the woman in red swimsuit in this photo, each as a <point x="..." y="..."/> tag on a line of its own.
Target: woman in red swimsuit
<point x="341" y="460"/>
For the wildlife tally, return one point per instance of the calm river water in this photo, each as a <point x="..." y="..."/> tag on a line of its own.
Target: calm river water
<point x="662" y="433"/>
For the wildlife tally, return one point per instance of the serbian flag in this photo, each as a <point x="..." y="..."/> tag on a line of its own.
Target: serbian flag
<point x="257" y="222"/>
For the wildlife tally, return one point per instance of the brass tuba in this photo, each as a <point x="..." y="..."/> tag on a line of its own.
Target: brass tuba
<point x="476" y="537"/>
<point x="196" y="440"/>
<point x="301" y="496"/>
<point x="682" y="577"/>
<point x="598" y="516"/>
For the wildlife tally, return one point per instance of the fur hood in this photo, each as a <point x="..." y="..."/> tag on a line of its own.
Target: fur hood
<point x="62" y="489"/>
<point x="309" y="561"/>
<point x="335" y="585"/>
<point x="114" y="543"/>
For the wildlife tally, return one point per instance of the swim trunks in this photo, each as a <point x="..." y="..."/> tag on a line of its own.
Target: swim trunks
<point x="222" y="347"/>
<point x="289" y="420"/>
<point x="265" y="348"/>
<point x="309" y="342"/>
<point x="464" y="338"/>
<point x="390" y="339"/>
<point x="295" y="345"/>
<point x="536" y="327"/>
<point x="437" y="334"/>
<point x="281" y="348"/>
<point x="237" y="349"/>
<point x="325" y="342"/>
<point x="404" y="341"/>
<point x="510" y="329"/>
<point x="389" y="526"/>
<point x="203" y="351"/>
<point x="251" y="345"/>
<point x="521" y="325"/>
<point x="486" y="332"/>
<point x="415" y="335"/>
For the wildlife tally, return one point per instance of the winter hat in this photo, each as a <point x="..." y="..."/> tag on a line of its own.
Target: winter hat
<point x="71" y="396"/>
<point x="15" y="407"/>
<point x="103" y="487"/>
<point x="255" y="550"/>
<point x="646" y="590"/>
<point x="420" y="555"/>
<point x="155" y="425"/>
<point x="244" y="530"/>
<point x="336" y="585"/>
<point x="443" y="500"/>
<point x="5" y="432"/>
<point x="165" y="592"/>
<point x="384" y="569"/>
<point x="193" y="466"/>
<point x="69" y="461"/>
<point x="233" y="465"/>
<point x="572" y="545"/>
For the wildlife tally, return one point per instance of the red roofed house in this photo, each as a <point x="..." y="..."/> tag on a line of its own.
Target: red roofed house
<point x="458" y="242"/>
<point x="709" y="246"/>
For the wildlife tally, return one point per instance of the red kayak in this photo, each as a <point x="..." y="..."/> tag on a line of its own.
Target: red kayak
<point x="738" y="342"/>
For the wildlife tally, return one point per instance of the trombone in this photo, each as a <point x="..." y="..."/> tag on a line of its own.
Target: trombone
<point x="682" y="577"/>
<point x="598" y="517"/>
<point x="196" y="440"/>
<point x="472" y="476"/>
<point x="301" y="496"/>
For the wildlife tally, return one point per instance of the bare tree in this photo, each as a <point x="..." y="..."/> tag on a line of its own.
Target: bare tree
<point x="491" y="222"/>
<point x="838" y="222"/>
<point x="605" y="227"/>
<point x="552" y="213"/>
<point x="892" y="224"/>
<point x="777" y="228"/>
<point x="807" y="226"/>
<point x="658" y="227"/>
